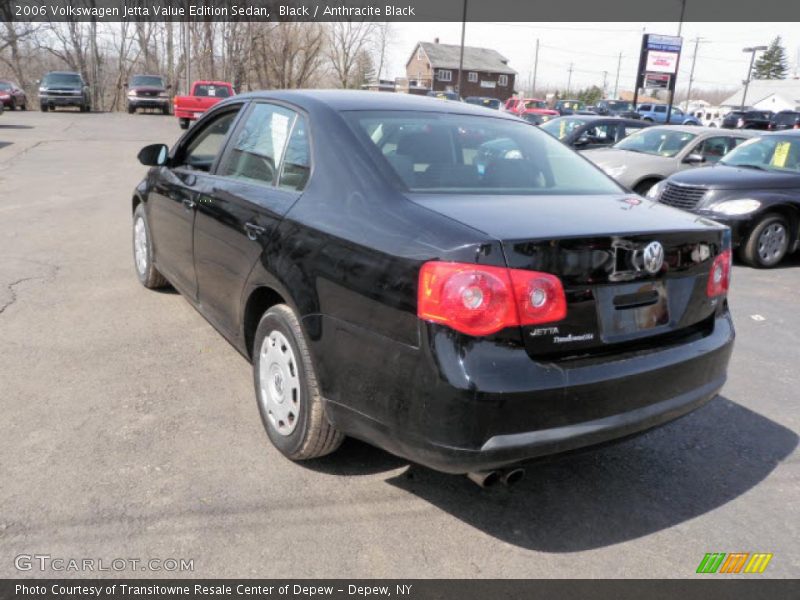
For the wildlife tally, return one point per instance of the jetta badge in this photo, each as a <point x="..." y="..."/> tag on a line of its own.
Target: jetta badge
<point x="653" y="257"/>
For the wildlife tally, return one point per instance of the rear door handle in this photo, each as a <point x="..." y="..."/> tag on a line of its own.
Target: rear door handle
<point x="253" y="230"/>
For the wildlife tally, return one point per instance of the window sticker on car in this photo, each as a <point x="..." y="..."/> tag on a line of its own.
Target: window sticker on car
<point x="781" y="154"/>
<point x="280" y="131"/>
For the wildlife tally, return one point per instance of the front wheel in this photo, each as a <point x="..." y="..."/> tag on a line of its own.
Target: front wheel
<point x="184" y="123"/>
<point x="288" y="395"/>
<point x="131" y="109"/>
<point x="43" y="107"/>
<point x="165" y="110"/>
<point x="768" y="243"/>
<point x="146" y="271"/>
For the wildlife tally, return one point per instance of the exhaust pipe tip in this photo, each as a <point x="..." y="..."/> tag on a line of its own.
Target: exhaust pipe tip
<point x="513" y="476"/>
<point x="484" y="479"/>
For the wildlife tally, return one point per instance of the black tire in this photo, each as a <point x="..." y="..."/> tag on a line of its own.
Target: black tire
<point x="24" y="106"/>
<point x="13" y="105"/>
<point x="148" y="275"/>
<point x="312" y="434"/>
<point x="165" y="110"/>
<point x="131" y="109"/>
<point x="759" y="250"/>
<point x="184" y="123"/>
<point x="647" y="120"/>
<point x="642" y="187"/>
<point x="43" y="107"/>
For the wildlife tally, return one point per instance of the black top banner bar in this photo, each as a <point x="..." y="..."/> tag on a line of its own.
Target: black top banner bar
<point x="401" y="10"/>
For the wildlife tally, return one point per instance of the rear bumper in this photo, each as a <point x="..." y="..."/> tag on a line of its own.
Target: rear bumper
<point x="183" y="113"/>
<point x="493" y="406"/>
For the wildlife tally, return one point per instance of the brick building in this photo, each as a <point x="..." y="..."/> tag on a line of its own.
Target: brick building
<point x="486" y="72"/>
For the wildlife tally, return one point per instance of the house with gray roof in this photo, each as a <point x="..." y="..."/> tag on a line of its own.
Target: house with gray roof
<point x="769" y="94"/>
<point x="486" y="71"/>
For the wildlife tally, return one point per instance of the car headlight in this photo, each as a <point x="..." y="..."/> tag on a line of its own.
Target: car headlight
<point x="615" y="171"/>
<point x="163" y="95"/>
<point x="655" y="191"/>
<point x="42" y="90"/>
<point x="735" y="207"/>
<point x="131" y="94"/>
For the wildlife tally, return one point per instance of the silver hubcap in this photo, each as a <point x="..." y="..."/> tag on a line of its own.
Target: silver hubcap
<point x="140" y="245"/>
<point x="279" y="383"/>
<point x="772" y="243"/>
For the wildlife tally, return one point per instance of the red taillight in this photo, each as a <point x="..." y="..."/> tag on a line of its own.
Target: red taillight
<point x="480" y="300"/>
<point x="719" y="279"/>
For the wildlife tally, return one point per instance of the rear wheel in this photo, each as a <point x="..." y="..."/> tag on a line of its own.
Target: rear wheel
<point x="288" y="395"/>
<point x="768" y="243"/>
<point x="13" y="105"/>
<point x="146" y="271"/>
<point x="24" y="105"/>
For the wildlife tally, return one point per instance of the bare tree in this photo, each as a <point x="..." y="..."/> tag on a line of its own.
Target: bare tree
<point x="347" y="40"/>
<point x="381" y="43"/>
<point x="287" y="54"/>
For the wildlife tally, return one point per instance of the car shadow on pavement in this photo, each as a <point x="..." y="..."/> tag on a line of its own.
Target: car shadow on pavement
<point x="11" y="126"/>
<point x="619" y="492"/>
<point x="353" y="458"/>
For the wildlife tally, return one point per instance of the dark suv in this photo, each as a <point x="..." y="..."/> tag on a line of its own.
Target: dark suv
<point x="747" y="119"/>
<point x="148" y="91"/>
<point x="786" y="119"/>
<point x="64" y="88"/>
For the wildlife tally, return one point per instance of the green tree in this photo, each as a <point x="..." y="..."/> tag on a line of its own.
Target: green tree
<point x="590" y="95"/>
<point x="772" y="64"/>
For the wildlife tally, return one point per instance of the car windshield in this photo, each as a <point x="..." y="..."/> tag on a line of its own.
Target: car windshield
<point x="658" y="141"/>
<point x="770" y="153"/>
<point x="535" y="104"/>
<point x="788" y="118"/>
<point x="562" y="127"/>
<point x="5" y="85"/>
<point x="620" y="105"/>
<point x="212" y="90"/>
<point x="62" y="79"/>
<point x="147" y="81"/>
<point x="466" y="154"/>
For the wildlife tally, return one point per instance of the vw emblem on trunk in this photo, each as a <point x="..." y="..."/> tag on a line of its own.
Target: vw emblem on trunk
<point x="653" y="257"/>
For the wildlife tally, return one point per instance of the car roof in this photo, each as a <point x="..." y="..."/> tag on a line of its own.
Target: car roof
<point x="62" y="73"/>
<point x="785" y="132"/>
<point x="347" y="100"/>
<point x="699" y="130"/>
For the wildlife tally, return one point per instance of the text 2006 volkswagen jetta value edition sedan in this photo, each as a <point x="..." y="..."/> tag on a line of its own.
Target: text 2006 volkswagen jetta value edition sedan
<point x="438" y="279"/>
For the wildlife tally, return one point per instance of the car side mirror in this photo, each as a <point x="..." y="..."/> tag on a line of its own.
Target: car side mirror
<point x="582" y="141"/>
<point x="695" y="158"/>
<point x="153" y="155"/>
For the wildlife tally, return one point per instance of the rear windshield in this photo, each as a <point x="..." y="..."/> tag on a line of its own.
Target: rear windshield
<point x="147" y="81"/>
<point x="212" y="90"/>
<point x="62" y="79"/>
<point x="659" y="141"/>
<point x="447" y="153"/>
<point x="563" y="126"/>
<point x="768" y="153"/>
<point x="535" y="104"/>
<point x="619" y="105"/>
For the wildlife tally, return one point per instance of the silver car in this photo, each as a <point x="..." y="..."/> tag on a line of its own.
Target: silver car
<point x="646" y="157"/>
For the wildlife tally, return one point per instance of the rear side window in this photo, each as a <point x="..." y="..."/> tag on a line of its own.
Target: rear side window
<point x="297" y="160"/>
<point x="452" y="153"/>
<point x="259" y="146"/>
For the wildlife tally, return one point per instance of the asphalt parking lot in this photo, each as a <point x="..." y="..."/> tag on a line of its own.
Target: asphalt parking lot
<point x="130" y="428"/>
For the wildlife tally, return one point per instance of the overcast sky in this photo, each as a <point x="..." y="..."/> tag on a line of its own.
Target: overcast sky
<point x="594" y="48"/>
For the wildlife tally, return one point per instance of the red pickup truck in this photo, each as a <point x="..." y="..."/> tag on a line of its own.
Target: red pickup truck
<point x="203" y="96"/>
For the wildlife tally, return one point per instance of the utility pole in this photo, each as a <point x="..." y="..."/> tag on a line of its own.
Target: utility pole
<point x="697" y="41"/>
<point x="535" y="68"/>
<point x="680" y="22"/>
<point x="605" y="77"/>
<point x="461" y="57"/>
<point x="616" y="82"/>
<point x="746" y="82"/>
<point x="569" y="79"/>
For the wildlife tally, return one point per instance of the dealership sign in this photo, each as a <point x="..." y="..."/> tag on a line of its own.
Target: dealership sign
<point x="658" y="61"/>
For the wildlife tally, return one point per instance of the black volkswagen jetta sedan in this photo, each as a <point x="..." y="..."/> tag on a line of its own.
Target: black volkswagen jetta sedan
<point x="754" y="189"/>
<point x="449" y="284"/>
